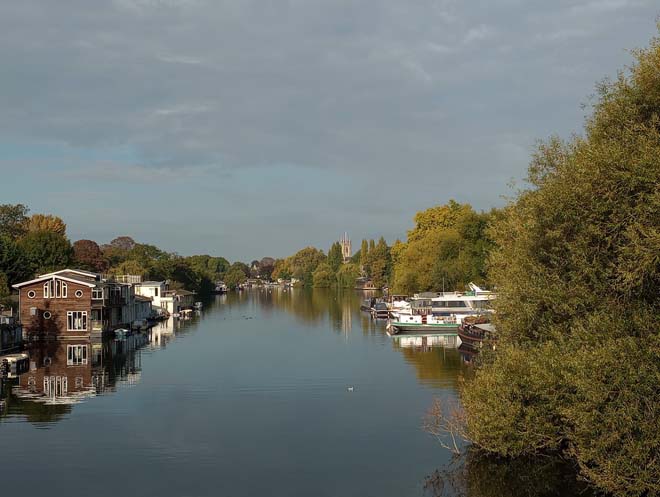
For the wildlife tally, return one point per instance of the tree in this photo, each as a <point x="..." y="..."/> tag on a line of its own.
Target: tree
<point x="266" y="268"/>
<point x="347" y="275"/>
<point x="324" y="276"/>
<point x="213" y="267"/>
<point x="335" y="256"/>
<point x="13" y="262"/>
<point x="123" y="243"/>
<point x="46" y="222"/>
<point x="117" y="250"/>
<point x="577" y="271"/>
<point x="364" y="253"/>
<point x="303" y="264"/>
<point x="13" y="220"/>
<point x="447" y="249"/>
<point x="235" y="276"/>
<point x="380" y="264"/>
<point x="439" y="217"/>
<point x="46" y="251"/>
<point x="129" y="267"/>
<point x="87" y="255"/>
<point x="5" y="293"/>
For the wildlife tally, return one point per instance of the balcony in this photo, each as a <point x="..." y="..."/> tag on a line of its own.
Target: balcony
<point x="99" y="325"/>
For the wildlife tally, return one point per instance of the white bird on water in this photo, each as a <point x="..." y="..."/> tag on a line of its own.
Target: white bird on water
<point x="350" y="389"/>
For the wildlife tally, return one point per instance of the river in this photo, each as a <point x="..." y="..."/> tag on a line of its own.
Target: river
<point x="266" y="392"/>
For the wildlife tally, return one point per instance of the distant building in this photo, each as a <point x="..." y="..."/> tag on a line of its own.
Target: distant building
<point x="346" y="250"/>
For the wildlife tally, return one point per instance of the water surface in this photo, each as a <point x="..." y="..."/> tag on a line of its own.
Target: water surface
<point x="267" y="392"/>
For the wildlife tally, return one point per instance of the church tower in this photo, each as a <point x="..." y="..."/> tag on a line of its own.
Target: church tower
<point x="346" y="251"/>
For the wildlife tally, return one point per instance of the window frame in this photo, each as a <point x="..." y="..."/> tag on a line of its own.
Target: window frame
<point x="71" y="320"/>
<point x="77" y="355"/>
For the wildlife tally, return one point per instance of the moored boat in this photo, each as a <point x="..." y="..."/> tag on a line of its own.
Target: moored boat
<point x="475" y="332"/>
<point x="380" y="311"/>
<point x="422" y="323"/>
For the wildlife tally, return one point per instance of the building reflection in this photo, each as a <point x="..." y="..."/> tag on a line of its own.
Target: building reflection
<point x="63" y="373"/>
<point x="165" y="331"/>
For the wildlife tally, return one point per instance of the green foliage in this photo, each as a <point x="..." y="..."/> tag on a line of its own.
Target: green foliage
<point x="266" y="268"/>
<point x="380" y="264"/>
<point x="335" y="257"/>
<point x="323" y="276"/>
<point x="129" y="267"/>
<point x="301" y="266"/>
<point x="364" y="253"/>
<point x="438" y="218"/>
<point x="13" y="262"/>
<point x="212" y="267"/>
<point x="46" y="222"/>
<point x="236" y="275"/>
<point x="45" y="251"/>
<point x="615" y="414"/>
<point x="5" y="293"/>
<point x="13" y="220"/>
<point x="446" y="250"/>
<point x="347" y="275"/>
<point x="577" y="270"/>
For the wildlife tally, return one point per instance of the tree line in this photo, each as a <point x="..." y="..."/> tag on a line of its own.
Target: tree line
<point x="446" y="249"/>
<point x="36" y="244"/>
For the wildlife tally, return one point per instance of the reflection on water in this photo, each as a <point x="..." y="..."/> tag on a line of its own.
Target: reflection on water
<point x="475" y="475"/>
<point x="63" y="373"/>
<point x="66" y="372"/>
<point x="297" y="387"/>
<point x="436" y="364"/>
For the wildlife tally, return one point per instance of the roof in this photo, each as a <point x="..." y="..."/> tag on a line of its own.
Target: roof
<point x="50" y="276"/>
<point x="150" y="283"/>
<point x="142" y="298"/>
<point x="183" y="292"/>
<point x="73" y="273"/>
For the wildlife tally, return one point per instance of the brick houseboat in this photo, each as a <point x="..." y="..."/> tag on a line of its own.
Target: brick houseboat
<point x="75" y="304"/>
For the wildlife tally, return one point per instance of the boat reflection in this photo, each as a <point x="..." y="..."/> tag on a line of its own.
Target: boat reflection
<point x="434" y="357"/>
<point x="425" y="342"/>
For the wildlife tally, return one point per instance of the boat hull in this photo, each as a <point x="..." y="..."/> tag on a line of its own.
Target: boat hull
<point x="418" y="328"/>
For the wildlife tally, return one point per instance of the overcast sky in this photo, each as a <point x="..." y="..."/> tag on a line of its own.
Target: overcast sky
<point x="245" y="129"/>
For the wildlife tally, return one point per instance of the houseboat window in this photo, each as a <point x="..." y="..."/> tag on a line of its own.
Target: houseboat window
<point x="47" y="289"/>
<point x="31" y="294"/>
<point x="79" y="293"/>
<point x="97" y="293"/>
<point x="76" y="355"/>
<point x="156" y="292"/>
<point x="76" y="320"/>
<point x="55" y="386"/>
<point x="47" y="315"/>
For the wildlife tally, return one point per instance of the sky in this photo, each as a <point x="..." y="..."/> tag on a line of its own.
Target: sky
<point x="249" y="128"/>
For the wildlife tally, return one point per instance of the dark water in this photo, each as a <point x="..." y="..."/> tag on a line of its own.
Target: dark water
<point x="249" y="398"/>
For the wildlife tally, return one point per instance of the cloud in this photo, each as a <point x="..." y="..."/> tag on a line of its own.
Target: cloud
<point x="479" y="33"/>
<point x="435" y="98"/>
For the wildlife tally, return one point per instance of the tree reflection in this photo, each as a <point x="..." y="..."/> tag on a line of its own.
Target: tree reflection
<point x="437" y="366"/>
<point x="477" y="475"/>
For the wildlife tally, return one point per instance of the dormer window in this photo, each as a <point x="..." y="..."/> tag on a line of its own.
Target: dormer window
<point x="56" y="289"/>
